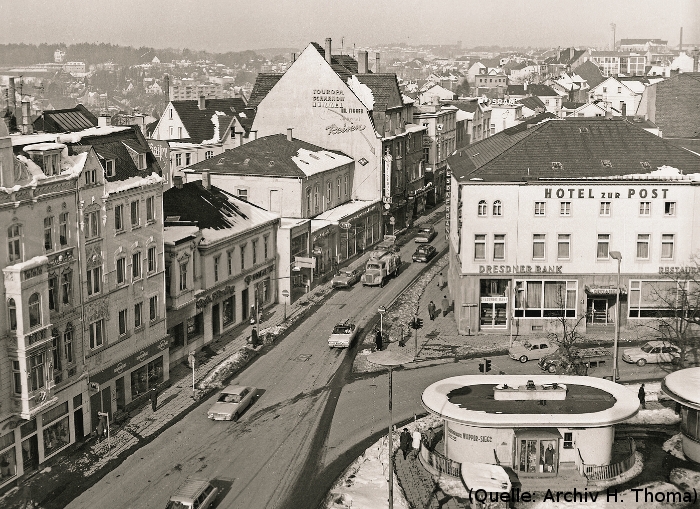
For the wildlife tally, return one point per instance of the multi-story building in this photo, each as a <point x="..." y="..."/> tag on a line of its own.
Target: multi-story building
<point x="533" y="231"/>
<point x="643" y="45"/>
<point x="479" y="121"/>
<point x="668" y="104"/>
<point x="551" y="99"/>
<point x="85" y="304"/>
<point x="621" y="97"/>
<point x="221" y="263"/>
<point x="613" y="63"/>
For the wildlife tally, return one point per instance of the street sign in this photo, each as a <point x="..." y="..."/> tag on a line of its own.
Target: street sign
<point x="103" y="414"/>
<point x="191" y="360"/>
<point x="381" y="310"/>
<point x="301" y="261"/>
<point x="94" y="387"/>
<point x="392" y="220"/>
<point x="285" y="293"/>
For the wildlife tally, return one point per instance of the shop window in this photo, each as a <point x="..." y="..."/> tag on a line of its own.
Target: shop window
<point x="482" y="208"/>
<point x="8" y="458"/>
<point x="194" y="325"/>
<point x="667" y="245"/>
<point x="56" y="434"/>
<point x="34" y="310"/>
<point x="653" y="299"/>
<point x="155" y="372"/>
<point x="545" y="299"/>
<point x="139" y="381"/>
<point x="178" y="334"/>
<point x="229" y="310"/>
<point x="603" y="248"/>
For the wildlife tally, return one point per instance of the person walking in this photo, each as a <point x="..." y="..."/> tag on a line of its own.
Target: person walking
<point x="100" y="428"/>
<point x="154" y="398"/>
<point x="431" y="310"/>
<point x="416" y="442"/>
<point x="430" y="438"/>
<point x="642" y="397"/>
<point x="445" y="304"/>
<point x="441" y="281"/>
<point x="378" y="339"/>
<point x="405" y="442"/>
<point x="549" y="459"/>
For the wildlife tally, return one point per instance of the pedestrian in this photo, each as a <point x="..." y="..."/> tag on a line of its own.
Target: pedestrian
<point x="445" y="304"/>
<point x="154" y="398"/>
<point x="431" y="310"/>
<point x="441" y="281"/>
<point x="642" y="397"/>
<point x="100" y="428"/>
<point x="378" y="339"/>
<point x="416" y="443"/>
<point x="405" y="442"/>
<point x="430" y="438"/>
<point x="549" y="459"/>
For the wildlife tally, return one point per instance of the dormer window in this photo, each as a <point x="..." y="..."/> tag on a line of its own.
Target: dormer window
<point x="142" y="161"/>
<point x="645" y="165"/>
<point x="52" y="164"/>
<point x="606" y="163"/>
<point x="109" y="167"/>
<point x="556" y="165"/>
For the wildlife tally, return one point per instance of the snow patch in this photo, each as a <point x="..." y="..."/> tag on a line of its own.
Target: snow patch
<point x="34" y="170"/>
<point x="131" y="183"/>
<point x="685" y="479"/>
<point x="674" y="446"/>
<point x="214" y="120"/>
<point x="362" y="91"/>
<point x="223" y="371"/>
<point x="656" y="416"/>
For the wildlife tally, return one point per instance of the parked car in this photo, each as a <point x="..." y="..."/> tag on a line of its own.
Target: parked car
<point x="652" y="352"/>
<point x="231" y="403"/>
<point x="343" y="335"/>
<point x="424" y="253"/>
<point x="524" y="351"/>
<point x="426" y="234"/>
<point x="345" y="278"/>
<point x="193" y="493"/>
<point x="582" y="359"/>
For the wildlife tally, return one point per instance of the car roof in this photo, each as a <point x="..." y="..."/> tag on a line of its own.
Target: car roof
<point x="658" y="342"/>
<point x="234" y="389"/>
<point x="426" y="228"/>
<point x="189" y="490"/>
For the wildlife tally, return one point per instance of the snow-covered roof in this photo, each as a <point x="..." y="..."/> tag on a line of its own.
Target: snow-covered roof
<point x="172" y="234"/>
<point x="41" y="147"/>
<point x="291" y="222"/>
<point x="319" y="224"/>
<point x="131" y="183"/>
<point x="313" y="162"/>
<point x="683" y="386"/>
<point x="28" y="264"/>
<point x="346" y="209"/>
<point x="26" y="139"/>
<point x="463" y="115"/>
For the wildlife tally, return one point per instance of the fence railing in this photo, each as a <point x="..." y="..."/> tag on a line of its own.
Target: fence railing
<point x="440" y="462"/>
<point x="603" y="472"/>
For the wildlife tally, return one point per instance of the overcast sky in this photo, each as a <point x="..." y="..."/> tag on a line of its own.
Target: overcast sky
<point x="219" y="25"/>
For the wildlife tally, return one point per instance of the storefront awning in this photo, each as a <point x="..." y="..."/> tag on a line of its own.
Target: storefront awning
<point x="537" y="433"/>
<point x="484" y="476"/>
<point x="605" y="290"/>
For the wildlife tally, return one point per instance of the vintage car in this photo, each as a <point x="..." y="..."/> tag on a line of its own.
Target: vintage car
<point x="345" y="278"/>
<point x="424" y="253"/>
<point x="343" y="335"/>
<point x="652" y="352"/>
<point x="425" y="234"/>
<point x="231" y="403"/>
<point x="193" y="494"/>
<point x="534" y="349"/>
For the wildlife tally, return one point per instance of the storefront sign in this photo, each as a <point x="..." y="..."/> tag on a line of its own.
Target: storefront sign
<point x="365" y="212"/>
<point x="126" y="364"/>
<point x="470" y="437"/>
<point x="216" y="295"/>
<point x="327" y="98"/>
<point x="301" y="261"/>
<point x="494" y="300"/>
<point x="259" y="274"/>
<point x="580" y="192"/>
<point x="601" y="291"/>
<point x="679" y="270"/>
<point x="519" y="269"/>
<point x="345" y="226"/>
<point x="387" y="175"/>
<point x="346" y="128"/>
<point x="503" y="101"/>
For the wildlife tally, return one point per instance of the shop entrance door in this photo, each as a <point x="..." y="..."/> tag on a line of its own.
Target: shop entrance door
<point x="78" y="424"/>
<point x="244" y="304"/>
<point x="30" y="454"/>
<point x="493" y="315"/>
<point x="119" y="388"/>
<point x="599" y="311"/>
<point x="100" y="402"/>
<point x="538" y="457"/>
<point x="215" y="321"/>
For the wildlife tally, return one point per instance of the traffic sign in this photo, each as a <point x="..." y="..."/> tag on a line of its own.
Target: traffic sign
<point x="392" y="220"/>
<point x="381" y="310"/>
<point x="285" y="293"/>
<point x="345" y="226"/>
<point x="191" y="360"/>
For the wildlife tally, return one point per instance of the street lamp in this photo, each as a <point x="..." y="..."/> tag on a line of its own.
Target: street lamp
<point x="617" y="256"/>
<point x="390" y="359"/>
<point x="381" y="312"/>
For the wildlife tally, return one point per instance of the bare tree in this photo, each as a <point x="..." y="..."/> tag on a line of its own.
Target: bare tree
<point x="566" y="333"/>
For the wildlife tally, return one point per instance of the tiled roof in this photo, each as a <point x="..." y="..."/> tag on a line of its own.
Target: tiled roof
<point x="528" y="122"/>
<point x="385" y="89"/>
<point x="580" y="145"/>
<point x="565" y="57"/>
<point x="270" y="156"/>
<point x="198" y="122"/>
<point x="212" y="209"/>
<point x="533" y="102"/>
<point x="569" y="105"/>
<point x="468" y="106"/>
<point x="64" y="121"/>
<point x="532" y="89"/>
<point x="263" y="84"/>
<point x="591" y="73"/>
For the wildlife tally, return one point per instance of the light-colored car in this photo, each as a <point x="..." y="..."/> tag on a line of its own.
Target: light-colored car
<point x="343" y="335"/>
<point x="534" y="349"/>
<point x="193" y="494"/>
<point x="231" y="403"/>
<point x="652" y="352"/>
<point x="425" y="234"/>
<point x="345" y="278"/>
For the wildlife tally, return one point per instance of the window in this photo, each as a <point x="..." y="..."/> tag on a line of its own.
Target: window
<point x="568" y="440"/>
<point x="68" y="344"/>
<point x="53" y="293"/>
<point x="480" y="247"/>
<point x="654" y="299"/>
<point x="670" y="208"/>
<point x="121" y="271"/>
<point x="255" y="252"/>
<point x="308" y="202"/>
<point x="563" y="246"/>
<point x="619" y="90"/>
<point x="243" y="194"/>
<point x="605" y="208"/>
<point x="136" y="265"/>
<point x="482" y="208"/>
<point x="109" y="167"/>
<point x="152" y="264"/>
<point x="337" y="192"/>
<point x="499" y="246"/>
<point x="63" y="229"/>
<point x="183" y="276"/>
<point x="153" y="308"/>
<point x="565" y="208"/>
<point x="34" y="310"/>
<point x="329" y="193"/>
<point x="16" y="377"/>
<point x="150" y="209"/>
<point x="168" y="279"/>
<point x="96" y="334"/>
<point x="12" y="310"/>
<point x="229" y="262"/>
<point x="229" y="311"/>
<point x="643" y="246"/>
<point x="667" y="240"/>
<point x="135" y="214"/>
<point x="178" y="159"/>
<point x="94" y="277"/>
<point x="644" y="208"/>
<point x="602" y="252"/>
<point x="92" y="224"/>
<point x="122" y="322"/>
<point x="138" y="317"/>
<point x="497" y="208"/>
<point x="67" y="287"/>
<point x="13" y="243"/>
<point x="540" y="208"/>
<point x="90" y="177"/>
<point x="119" y="217"/>
<point x="188" y="158"/>
<point x="316" y="198"/>
<point x="243" y="257"/>
<point x="37" y="378"/>
<point x="208" y="154"/>
<point x="545" y="299"/>
<point x="266" y="252"/>
<point x="538" y="246"/>
<point x="217" y="259"/>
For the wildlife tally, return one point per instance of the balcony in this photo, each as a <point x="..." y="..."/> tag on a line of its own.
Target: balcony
<point x="35" y="402"/>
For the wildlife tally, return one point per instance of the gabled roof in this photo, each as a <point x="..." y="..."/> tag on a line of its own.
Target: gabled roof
<point x="385" y="89"/>
<point x="579" y="145"/>
<point x="565" y="57"/>
<point x="273" y="156"/>
<point x="213" y="210"/>
<point x="199" y="124"/>
<point x="469" y="106"/>
<point x="263" y="84"/>
<point x="66" y="120"/>
<point x="532" y="89"/>
<point x="591" y="73"/>
<point x="532" y="103"/>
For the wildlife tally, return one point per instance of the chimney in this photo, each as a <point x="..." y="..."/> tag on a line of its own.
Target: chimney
<point x="202" y="103"/>
<point x="103" y="121"/>
<point x="27" y="127"/>
<point x="624" y="109"/>
<point x="253" y="135"/>
<point x="206" y="180"/>
<point x="376" y="63"/>
<point x="177" y="180"/>
<point x="293" y="57"/>
<point x="571" y="53"/>
<point x="680" y="43"/>
<point x="328" y="50"/>
<point x="362" y="62"/>
<point x="166" y="85"/>
<point x="11" y="95"/>
<point x="289" y="134"/>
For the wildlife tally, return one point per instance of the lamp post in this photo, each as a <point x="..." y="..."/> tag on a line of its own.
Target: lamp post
<point x="381" y="312"/>
<point x="390" y="359"/>
<point x="617" y="256"/>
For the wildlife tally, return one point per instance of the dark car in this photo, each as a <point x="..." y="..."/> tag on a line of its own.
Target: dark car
<point x="426" y="234"/>
<point x="424" y="253"/>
